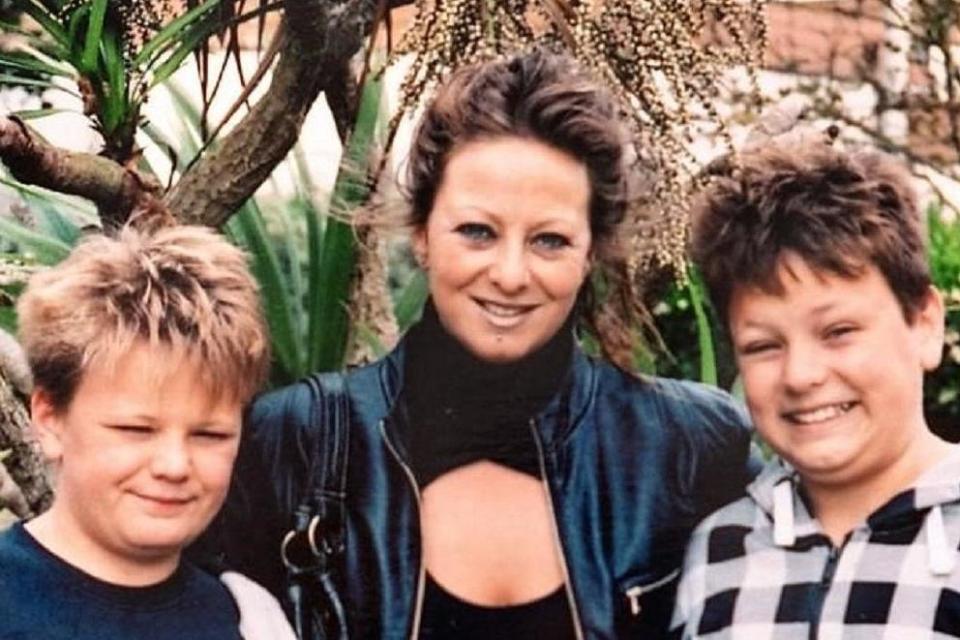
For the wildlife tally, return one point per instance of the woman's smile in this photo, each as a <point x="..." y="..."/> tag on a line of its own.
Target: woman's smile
<point x="505" y="315"/>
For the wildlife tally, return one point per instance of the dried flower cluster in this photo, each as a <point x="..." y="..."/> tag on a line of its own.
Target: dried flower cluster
<point x="138" y="20"/>
<point x="664" y="59"/>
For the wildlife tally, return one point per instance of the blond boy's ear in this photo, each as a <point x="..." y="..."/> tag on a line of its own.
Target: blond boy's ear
<point x="929" y="324"/>
<point x="47" y="424"/>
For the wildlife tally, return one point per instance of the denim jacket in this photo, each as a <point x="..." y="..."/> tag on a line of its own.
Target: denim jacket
<point x="629" y="466"/>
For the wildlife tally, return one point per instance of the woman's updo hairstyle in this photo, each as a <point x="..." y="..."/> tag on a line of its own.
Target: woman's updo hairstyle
<point x="547" y="97"/>
<point x="539" y="95"/>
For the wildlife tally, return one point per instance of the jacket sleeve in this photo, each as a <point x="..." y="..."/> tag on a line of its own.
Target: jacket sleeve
<point x="718" y="462"/>
<point x="269" y="478"/>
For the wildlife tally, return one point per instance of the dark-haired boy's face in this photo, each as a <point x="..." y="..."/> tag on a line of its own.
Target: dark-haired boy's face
<point x="833" y="371"/>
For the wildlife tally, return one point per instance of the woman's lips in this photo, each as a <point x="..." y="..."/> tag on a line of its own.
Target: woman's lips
<point x="504" y="315"/>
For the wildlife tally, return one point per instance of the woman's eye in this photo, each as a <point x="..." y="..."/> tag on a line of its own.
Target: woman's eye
<point x="551" y="241"/>
<point x="476" y="231"/>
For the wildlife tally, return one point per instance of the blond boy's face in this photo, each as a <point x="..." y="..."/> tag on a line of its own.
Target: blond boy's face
<point x="143" y="454"/>
<point x="833" y="372"/>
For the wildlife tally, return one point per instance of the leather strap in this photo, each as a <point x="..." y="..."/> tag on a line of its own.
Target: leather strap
<point x="310" y="550"/>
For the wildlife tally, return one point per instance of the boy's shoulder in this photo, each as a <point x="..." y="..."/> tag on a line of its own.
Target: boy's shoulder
<point x="44" y="598"/>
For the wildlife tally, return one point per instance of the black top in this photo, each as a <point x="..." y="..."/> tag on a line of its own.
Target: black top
<point x="447" y="617"/>
<point x="42" y="597"/>
<point x="462" y="409"/>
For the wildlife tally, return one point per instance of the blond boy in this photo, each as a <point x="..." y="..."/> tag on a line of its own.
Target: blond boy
<point x="144" y="351"/>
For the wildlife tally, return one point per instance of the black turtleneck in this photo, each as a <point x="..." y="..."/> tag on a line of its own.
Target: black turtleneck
<point x="461" y="409"/>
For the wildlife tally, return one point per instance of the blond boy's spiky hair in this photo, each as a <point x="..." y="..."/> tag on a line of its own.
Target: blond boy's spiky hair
<point x="182" y="287"/>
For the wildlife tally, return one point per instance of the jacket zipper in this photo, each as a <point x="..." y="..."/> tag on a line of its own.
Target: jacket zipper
<point x="825" y="583"/>
<point x="633" y="593"/>
<point x="568" y="589"/>
<point x="418" y="603"/>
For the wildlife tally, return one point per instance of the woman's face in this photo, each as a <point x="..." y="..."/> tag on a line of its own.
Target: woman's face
<point x="507" y="244"/>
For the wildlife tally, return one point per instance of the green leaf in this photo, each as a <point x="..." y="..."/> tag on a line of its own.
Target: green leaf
<point x="408" y="305"/>
<point x="47" y="21"/>
<point x="330" y="327"/>
<point x="315" y="289"/>
<point x="29" y="63"/>
<point x="79" y="207"/>
<point x="91" y="45"/>
<point x="247" y="228"/>
<point x="6" y="78"/>
<point x="173" y="30"/>
<point x="8" y="319"/>
<point x="34" y="114"/>
<point x="117" y="110"/>
<point x="44" y="249"/>
<point x="331" y="324"/>
<point x="708" y="357"/>
<point x="54" y="224"/>
<point x="172" y="63"/>
<point x="189" y="121"/>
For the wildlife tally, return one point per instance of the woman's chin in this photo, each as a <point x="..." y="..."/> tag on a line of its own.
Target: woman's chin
<point x="498" y="349"/>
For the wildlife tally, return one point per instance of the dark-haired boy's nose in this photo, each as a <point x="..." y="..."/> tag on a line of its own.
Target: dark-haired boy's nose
<point x="803" y="369"/>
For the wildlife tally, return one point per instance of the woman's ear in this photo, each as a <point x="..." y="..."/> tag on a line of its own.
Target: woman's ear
<point x="928" y="323"/>
<point x="47" y="424"/>
<point x="419" y="246"/>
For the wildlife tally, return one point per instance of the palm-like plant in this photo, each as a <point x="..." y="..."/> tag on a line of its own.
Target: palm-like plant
<point x="114" y="52"/>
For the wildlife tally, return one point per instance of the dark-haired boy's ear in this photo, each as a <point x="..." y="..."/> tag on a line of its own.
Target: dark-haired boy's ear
<point x="47" y="424"/>
<point x="929" y="325"/>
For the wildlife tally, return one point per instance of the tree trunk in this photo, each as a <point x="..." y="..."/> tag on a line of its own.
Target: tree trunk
<point x="319" y="38"/>
<point x="25" y="465"/>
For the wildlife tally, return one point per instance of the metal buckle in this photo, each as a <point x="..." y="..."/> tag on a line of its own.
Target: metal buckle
<point x="311" y="532"/>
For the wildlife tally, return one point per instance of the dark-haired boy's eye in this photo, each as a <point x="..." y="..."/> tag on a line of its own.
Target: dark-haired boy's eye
<point x="476" y="231"/>
<point x="552" y="241"/>
<point x="758" y="347"/>
<point x="839" y="331"/>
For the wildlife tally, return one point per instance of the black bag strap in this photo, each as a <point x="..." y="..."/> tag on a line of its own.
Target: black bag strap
<point x="311" y="549"/>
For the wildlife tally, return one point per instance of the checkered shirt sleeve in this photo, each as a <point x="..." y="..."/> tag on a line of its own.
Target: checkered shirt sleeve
<point x="879" y="585"/>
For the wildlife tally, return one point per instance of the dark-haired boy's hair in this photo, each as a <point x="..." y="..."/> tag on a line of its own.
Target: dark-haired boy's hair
<point x="838" y="211"/>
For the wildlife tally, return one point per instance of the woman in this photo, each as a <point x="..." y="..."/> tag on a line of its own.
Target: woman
<point x="499" y="483"/>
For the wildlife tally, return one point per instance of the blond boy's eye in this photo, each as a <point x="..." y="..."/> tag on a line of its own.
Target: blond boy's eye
<point x="133" y="429"/>
<point x="214" y="435"/>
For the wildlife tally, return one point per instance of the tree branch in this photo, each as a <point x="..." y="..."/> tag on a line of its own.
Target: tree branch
<point x="10" y="495"/>
<point x="118" y="192"/>
<point x="319" y="39"/>
<point x="25" y="464"/>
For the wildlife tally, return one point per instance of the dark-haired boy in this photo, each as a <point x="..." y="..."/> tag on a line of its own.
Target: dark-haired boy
<point x="815" y="259"/>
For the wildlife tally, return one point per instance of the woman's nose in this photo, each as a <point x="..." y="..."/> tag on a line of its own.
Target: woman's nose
<point x="510" y="271"/>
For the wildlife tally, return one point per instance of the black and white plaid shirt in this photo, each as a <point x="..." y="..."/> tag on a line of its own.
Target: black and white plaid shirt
<point x="762" y="569"/>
